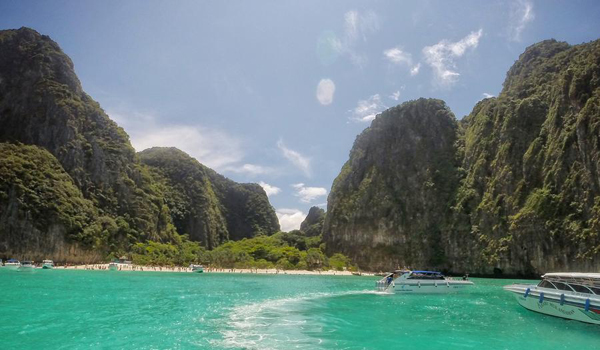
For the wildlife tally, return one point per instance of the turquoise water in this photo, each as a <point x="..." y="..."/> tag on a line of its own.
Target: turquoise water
<point x="57" y="309"/>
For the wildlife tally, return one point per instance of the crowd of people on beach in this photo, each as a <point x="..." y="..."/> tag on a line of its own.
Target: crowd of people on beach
<point x="132" y="267"/>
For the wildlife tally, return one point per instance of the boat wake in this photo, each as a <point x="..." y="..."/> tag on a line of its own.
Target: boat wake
<point x="279" y="323"/>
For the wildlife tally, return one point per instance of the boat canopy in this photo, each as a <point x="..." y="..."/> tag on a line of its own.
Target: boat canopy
<point x="575" y="275"/>
<point x="12" y="260"/>
<point x="428" y="272"/>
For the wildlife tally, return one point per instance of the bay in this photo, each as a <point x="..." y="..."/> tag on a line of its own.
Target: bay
<point x="66" y="309"/>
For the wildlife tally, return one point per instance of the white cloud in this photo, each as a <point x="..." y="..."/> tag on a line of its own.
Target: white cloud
<point x="521" y="14"/>
<point x="325" y="91"/>
<point x="308" y="194"/>
<point x="395" y="95"/>
<point x="269" y="189"/>
<point x="290" y="219"/>
<point x="441" y="57"/>
<point x="367" y="110"/>
<point x="298" y="160"/>
<point x="397" y="56"/>
<point x="249" y="169"/>
<point x="211" y="147"/>
<point x="415" y="69"/>
<point x="486" y="95"/>
<point x="357" y="27"/>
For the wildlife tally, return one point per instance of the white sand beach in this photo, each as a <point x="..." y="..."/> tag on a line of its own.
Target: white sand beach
<point x="141" y="268"/>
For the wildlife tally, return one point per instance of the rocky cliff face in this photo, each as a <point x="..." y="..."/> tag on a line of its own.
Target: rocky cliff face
<point x="313" y="223"/>
<point x="207" y="206"/>
<point x="42" y="103"/>
<point x="513" y="189"/>
<point x="82" y="191"/>
<point x="389" y="205"/>
<point x="530" y="199"/>
<point x="42" y="212"/>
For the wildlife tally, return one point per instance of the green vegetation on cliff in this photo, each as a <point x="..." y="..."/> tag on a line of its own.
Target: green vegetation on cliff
<point x="529" y="202"/>
<point x="209" y="207"/>
<point x="313" y="223"/>
<point x="34" y="186"/>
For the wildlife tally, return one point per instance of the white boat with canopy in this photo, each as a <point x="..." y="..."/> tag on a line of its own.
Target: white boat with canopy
<point x="420" y="282"/>
<point x="121" y="264"/>
<point x="47" y="264"/>
<point x="571" y="295"/>
<point x="197" y="268"/>
<point x="12" y="264"/>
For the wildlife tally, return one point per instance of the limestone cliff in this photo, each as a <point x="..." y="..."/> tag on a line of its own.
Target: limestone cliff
<point x="207" y="206"/>
<point x="42" y="212"/>
<point x="514" y="188"/>
<point x="42" y="103"/>
<point x="313" y="223"/>
<point x="530" y="198"/>
<point x="390" y="204"/>
<point x="72" y="187"/>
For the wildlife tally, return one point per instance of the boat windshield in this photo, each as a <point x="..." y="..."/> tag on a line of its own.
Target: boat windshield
<point x="546" y="284"/>
<point x="426" y="275"/>
<point x="579" y="286"/>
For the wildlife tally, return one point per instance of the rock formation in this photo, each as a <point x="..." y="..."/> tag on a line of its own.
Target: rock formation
<point x="513" y="189"/>
<point x="313" y="223"/>
<point x="97" y="196"/>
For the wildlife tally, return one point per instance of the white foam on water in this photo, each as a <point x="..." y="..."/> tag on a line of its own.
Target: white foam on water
<point x="275" y="323"/>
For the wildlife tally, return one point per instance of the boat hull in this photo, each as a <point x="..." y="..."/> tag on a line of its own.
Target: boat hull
<point x="47" y="267"/>
<point x="25" y="268"/>
<point x="439" y="287"/>
<point x="11" y="267"/>
<point x="572" y="311"/>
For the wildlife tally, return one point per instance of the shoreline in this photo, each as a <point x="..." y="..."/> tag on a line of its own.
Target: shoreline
<point x="180" y="269"/>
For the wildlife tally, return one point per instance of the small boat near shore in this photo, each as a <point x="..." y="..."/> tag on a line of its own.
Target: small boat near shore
<point x="12" y="264"/>
<point x="197" y="268"/>
<point x="121" y="264"/>
<point x="420" y="282"/>
<point x="47" y="264"/>
<point x="574" y="296"/>
<point x="26" y="266"/>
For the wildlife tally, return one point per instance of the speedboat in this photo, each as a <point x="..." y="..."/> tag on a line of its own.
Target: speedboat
<point x="197" y="268"/>
<point x="121" y="264"/>
<point x="571" y="295"/>
<point x="420" y="282"/>
<point x="48" y="264"/>
<point x="12" y="264"/>
<point x="26" y="266"/>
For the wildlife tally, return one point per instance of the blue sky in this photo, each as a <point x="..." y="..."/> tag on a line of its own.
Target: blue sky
<point x="275" y="92"/>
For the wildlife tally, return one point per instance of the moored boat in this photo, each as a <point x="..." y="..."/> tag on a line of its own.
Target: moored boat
<point x="26" y="266"/>
<point x="420" y="282"/>
<point x="48" y="264"/>
<point x="121" y="264"/>
<point x="197" y="268"/>
<point x="12" y="264"/>
<point x="570" y="295"/>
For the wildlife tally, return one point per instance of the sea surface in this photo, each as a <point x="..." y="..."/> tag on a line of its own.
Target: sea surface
<point x="66" y="309"/>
